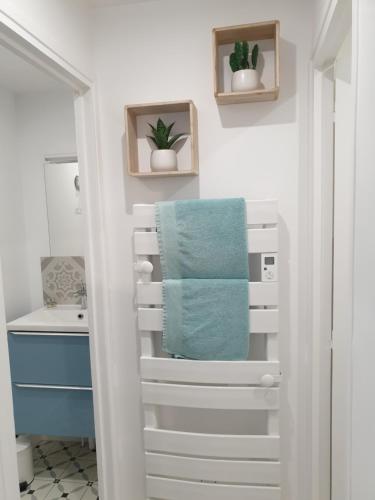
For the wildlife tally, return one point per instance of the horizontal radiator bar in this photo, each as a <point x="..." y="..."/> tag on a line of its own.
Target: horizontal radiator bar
<point x="260" y="294"/>
<point x="212" y="445"/>
<point x="261" y="320"/>
<point x="234" y="398"/>
<point x="260" y="241"/>
<point x="171" y="489"/>
<point x="257" y="212"/>
<point x="208" y="469"/>
<point x="212" y="372"/>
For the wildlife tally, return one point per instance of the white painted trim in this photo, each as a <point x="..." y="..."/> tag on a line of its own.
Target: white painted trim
<point x="322" y="282"/>
<point x="343" y="310"/>
<point x="18" y="39"/>
<point x="335" y="26"/>
<point x="98" y="300"/>
<point x="21" y="41"/>
<point x="8" y="455"/>
<point x="343" y="288"/>
<point x="336" y="23"/>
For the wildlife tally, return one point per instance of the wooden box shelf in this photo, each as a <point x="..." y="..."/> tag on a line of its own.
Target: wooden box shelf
<point x="266" y="34"/>
<point x="137" y="117"/>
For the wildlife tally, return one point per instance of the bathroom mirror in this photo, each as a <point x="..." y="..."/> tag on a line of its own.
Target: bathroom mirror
<point x="64" y="210"/>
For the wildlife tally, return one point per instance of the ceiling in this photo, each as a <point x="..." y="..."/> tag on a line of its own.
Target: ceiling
<point x="19" y="76"/>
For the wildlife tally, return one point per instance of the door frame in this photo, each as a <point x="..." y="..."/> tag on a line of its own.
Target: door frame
<point x="327" y="347"/>
<point x="322" y="281"/>
<point x="19" y="40"/>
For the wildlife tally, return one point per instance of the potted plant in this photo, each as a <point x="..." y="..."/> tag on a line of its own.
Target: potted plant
<point x="164" y="158"/>
<point x="245" y="76"/>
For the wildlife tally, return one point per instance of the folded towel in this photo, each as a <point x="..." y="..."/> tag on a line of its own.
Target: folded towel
<point x="204" y="260"/>
<point x="206" y="319"/>
<point x="203" y="239"/>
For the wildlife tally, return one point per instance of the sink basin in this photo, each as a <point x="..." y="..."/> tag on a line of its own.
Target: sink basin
<point x="56" y="319"/>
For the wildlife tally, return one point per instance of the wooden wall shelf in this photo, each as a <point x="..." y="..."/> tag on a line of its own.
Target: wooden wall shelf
<point x="138" y="148"/>
<point x="267" y="34"/>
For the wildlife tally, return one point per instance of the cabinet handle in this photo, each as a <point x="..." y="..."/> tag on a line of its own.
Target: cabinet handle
<point x="50" y="334"/>
<point x="60" y="387"/>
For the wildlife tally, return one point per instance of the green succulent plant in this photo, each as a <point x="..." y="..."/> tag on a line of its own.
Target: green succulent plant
<point x="239" y="59"/>
<point x="161" y="135"/>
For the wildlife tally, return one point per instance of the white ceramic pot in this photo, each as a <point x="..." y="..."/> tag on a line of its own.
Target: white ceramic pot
<point x="163" y="160"/>
<point x="245" y="80"/>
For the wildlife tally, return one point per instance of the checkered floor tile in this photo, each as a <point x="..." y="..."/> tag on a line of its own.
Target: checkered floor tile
<point x="63" y="469"/>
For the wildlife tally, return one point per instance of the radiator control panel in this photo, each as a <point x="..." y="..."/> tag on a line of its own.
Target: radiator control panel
<point x="269" y="267"/>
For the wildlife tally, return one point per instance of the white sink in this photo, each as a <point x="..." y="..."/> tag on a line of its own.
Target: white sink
<point x="57" y="319"/>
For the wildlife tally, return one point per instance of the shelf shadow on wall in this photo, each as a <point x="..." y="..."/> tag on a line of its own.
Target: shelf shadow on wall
<point x="272" y="112"/>
<point x="151" y="190"/>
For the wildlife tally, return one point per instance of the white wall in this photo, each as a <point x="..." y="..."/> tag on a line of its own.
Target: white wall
<point x="12" y="227"/>
<point x="63" y="25"/>
<point x="363" y="346"/>
<point x="45" y="127"/>
<point x="32" y="126"/>
<point x="157" y="51"/>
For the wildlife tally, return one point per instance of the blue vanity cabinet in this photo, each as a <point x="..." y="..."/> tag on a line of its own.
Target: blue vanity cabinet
<point x="51" y="383"/>
<point x="50" y="358"/>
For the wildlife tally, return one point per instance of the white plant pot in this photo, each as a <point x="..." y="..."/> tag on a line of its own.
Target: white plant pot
<point x="163" y="160"/>
<point x="245" y="80"/>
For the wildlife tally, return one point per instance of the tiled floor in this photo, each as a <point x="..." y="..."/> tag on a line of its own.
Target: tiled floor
<point x="63" y="469"/>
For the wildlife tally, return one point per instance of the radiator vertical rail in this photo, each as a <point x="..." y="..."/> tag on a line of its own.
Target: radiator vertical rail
<point x="147" y="349"/>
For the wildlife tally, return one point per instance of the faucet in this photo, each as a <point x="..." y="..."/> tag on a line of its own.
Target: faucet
<point x="82" y="292"/>
<point x="50" y="302"/>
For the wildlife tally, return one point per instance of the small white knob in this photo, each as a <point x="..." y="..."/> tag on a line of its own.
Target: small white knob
<point x="144" y="267"/>
<point x="267" y="380"/>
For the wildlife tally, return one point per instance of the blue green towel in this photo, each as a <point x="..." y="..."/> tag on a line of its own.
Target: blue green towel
<point x="204" y="260"/>
<point x="203" y="239"/>
<point x="206" y="319"/>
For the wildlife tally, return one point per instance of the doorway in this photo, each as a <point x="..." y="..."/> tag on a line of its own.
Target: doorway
<point x="44" y="284"/>
<point x="89" y="185"/>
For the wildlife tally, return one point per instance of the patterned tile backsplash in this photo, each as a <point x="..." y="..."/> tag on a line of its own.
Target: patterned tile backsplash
<point x="62" y="276"/>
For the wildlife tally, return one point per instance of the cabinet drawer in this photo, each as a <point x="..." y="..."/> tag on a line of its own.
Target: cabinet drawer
<point x="50" y="358"/>
<point x="55" y="411"/>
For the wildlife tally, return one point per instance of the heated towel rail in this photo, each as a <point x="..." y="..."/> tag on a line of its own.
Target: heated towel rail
<point x="187" y="465"/>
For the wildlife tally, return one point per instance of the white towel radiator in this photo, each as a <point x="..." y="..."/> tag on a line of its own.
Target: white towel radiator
<point x="202" y="466"/>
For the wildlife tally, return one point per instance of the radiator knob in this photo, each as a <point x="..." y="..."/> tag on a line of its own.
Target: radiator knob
<point x="144" y="267"/>
<point x="267" y="380"/>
